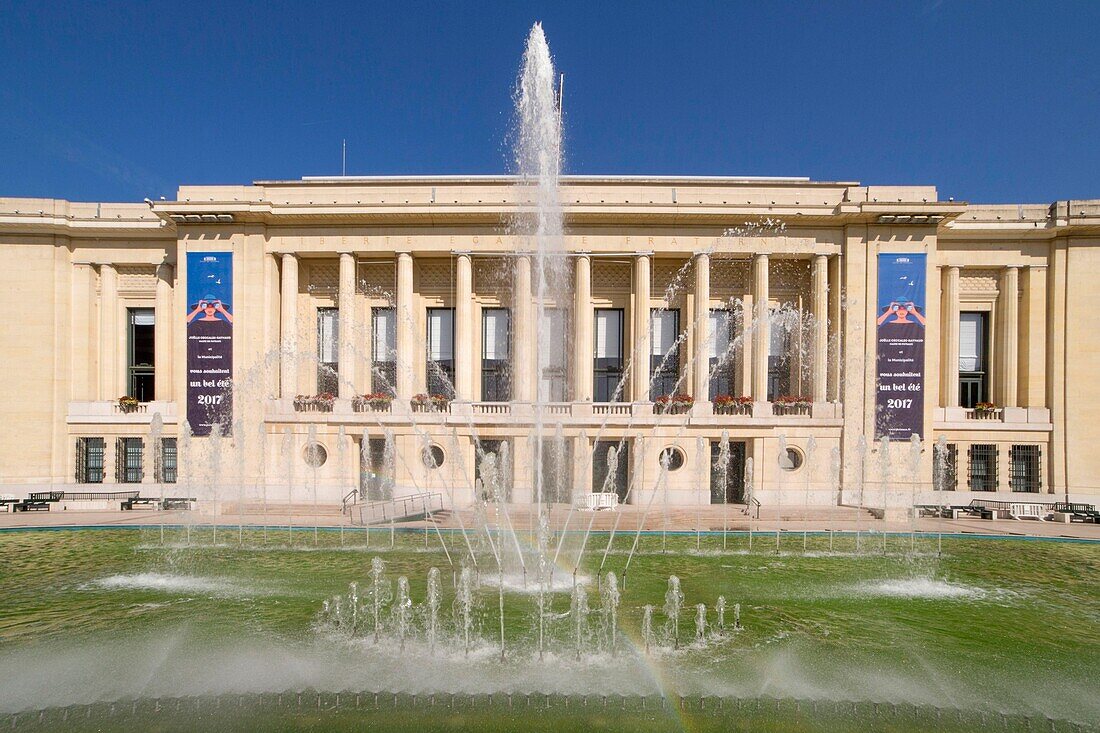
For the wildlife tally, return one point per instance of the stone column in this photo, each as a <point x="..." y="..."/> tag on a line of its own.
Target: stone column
<point x="582" y="330"/>
<point x="761" y="345"/>
<point x="272" y="317"/>
<point x="109" y="381"/>
<point x="163" y="318"/>
<point x="346" y="302"/>
<point x="949" y="343"/>
<point x="464" y="328"/>
<point x="524" y="369"/>
<point x="701" y="338"/>
<point x="288" y="320"/>
<point x="834" y="346"/>
<point x="640" y="375"/>
<point x="406" y="327"/>
<point x="820" y="279"/>
<point x="1010" y="336"/>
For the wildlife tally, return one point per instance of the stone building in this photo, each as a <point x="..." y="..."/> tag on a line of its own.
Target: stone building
<point x="759" y="299"/>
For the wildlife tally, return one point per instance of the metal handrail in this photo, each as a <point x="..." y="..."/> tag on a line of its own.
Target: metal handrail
<point x="344" y="502"/>
<point x="422" y="500"/>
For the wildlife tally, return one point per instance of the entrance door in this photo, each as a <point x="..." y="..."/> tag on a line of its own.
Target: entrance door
<point x="603" y="477"/>
<point x="727" y="485"/>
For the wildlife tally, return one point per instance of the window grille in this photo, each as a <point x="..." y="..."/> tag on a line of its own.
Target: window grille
<point x="983" y="467"/>
<point x="128" y="460"/>
<point x="89" y="460"/>
<point x="1024" y="468"/>
<point x="164" y="468"/>
<point x="603" y="478"/>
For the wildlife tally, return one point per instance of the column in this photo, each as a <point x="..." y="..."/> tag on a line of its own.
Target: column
<point x="582" y="329"/>
<point x="163" y="318"/>
<point x="760" y="335"/>
<point x="1010" y="339"/>
<point x="464" y="328"/>
<point x="272" y="336"/>
<point x="346" y="303"/>
<point x="108" y="334"/>
<point x="835" y="347"/>
<point x="85" y="379"/>
<point x="820" y="283"/>
<point x="288" y="318"/>
<point x="701" y="337"/>
<point x="524" y="370"/>
<point x="640" y="375"/>
<point x="949" y="343"/>
<point x="406" y="327"/>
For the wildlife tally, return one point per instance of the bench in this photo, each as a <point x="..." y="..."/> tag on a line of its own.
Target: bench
<point x="177" y="502"/>
<point x="130" y="503"/>
<point x="38" y="501"/>
<point x="7" y="501"/>
<point x="1079" y="511"/>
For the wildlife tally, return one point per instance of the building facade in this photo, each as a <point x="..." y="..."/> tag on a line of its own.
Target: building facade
<point x="383" y="335"/>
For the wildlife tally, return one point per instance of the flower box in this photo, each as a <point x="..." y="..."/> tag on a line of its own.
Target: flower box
<point x="374" y="402"/>
<point x="430" y="403"/>
<point x="314" y="403"/>
<point x="677" y="404"/>
<point x="791" y="405"/>
<point x="725" y="404"/>
<point x="128" y="404"/>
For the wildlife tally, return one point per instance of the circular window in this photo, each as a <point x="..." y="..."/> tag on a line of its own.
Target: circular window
<point x="674" y="457"/>
<point x="315" y="455"/>
<point x="791" y="460"/>
<point x="433" y="457"/>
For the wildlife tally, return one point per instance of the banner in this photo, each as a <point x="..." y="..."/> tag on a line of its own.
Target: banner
<point x="209" y="341"/>
<point x="899" y="400"/>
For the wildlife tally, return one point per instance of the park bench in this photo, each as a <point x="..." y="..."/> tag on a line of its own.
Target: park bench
<point x="39" y="501"/>
<point x="138" y="500"/>
<point x="177" y="502"/>
<point x="1079" y="511"/>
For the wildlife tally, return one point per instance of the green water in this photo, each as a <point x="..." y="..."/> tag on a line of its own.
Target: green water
<point x="908" y="640"/>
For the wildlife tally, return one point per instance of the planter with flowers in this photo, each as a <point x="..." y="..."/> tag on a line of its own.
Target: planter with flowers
<point x="725" y="404"/>
<point x="985" y="411"/>
<point x="431" y="403"/>
<point x="792" y="405"/>
<point x="128" y="404"/>
<point x="373" y="402"/>
<point x="322" y="402"/>
<point x="677" y="404"/>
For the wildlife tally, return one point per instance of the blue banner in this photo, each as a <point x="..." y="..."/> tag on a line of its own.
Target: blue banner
<point x="209" y="341"/>
<point x="902" y="297"/>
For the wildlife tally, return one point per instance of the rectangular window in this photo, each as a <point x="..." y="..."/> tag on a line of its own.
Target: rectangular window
<point x="165" y="469"/>
<point x="554" y="363"/>
<point x="441" y="351"/>
<point x="608" y="362"/>
<point x="1024" y="472"/>
<point x="983" y="467"/>
<point x="328" y="350"/>
<point x="779" y="360"/>
<point x="142" y="354"/>
<point x="376" y="470"/>
<point x="721" y="334"/>
<point x="727" y="475"/>
<point x="664" y="360"/>
<point x="610" y="467"/>
<point x="495" y="352"/>
<point x="128" y="460"/>
<point x="89" y="460"/>
<point x="973" y="346"/>
<point x="383" y="330"/>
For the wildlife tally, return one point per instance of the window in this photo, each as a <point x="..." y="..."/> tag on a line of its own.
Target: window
<point x="727" y="474"/>
<point x="721" y="333"/>
<point x="552" y="380"/>
<point x="1024" y="472"/>
<point x="441" y="351"/>
<point x="433" y="457"/>
<point x="495" y="351"/>
<point x="384" y="350"/>
<point x="664" y="360"/>
<point x="608" y="362"/>
<point x="557" y="470"/>
<point x="164" y="469"/>
<point x="946" y="467"/>
<point x="328" y="350"/>
<point x="674" y="456"/>
<point x="791" y="459"/>
<point x="973" y="347"/>
<point x="315" y="455"/>
<point x="779" y="360"/>
<point x="128" y="460"/>
<point x="142" y="350"/>
<point x="502" y="477"/>
<point x="610" y="463"/>
<point x="376" y="469"/>
<point x="89" y="460"/>
<point x="983" y="467"/>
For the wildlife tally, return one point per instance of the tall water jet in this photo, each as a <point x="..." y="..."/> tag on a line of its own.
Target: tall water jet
<point x="464" y="606"/>
<point x="378" y="592"/>
<point x="609" y="597"/>
<point x="811" y="448"/>
<point x="720" y="613"/>
<point x="434" y="600"/>
<point x="647" y="627"/>
<point x="156" y="427"/>
<point x="700" y="623"/>
<point x="402" y="609"/>
<point x="578" y="609"/>
<point x="288" y="472"/>
<point x="674" y="601"/>
<point x="724" y="472"/>
<point x="538" y="160"/>
<point x="885" y="466"/>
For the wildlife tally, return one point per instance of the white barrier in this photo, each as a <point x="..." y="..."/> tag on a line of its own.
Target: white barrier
<point x="601" y="500"/>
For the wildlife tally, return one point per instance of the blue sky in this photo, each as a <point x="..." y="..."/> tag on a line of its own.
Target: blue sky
<point x="989" y="101"/>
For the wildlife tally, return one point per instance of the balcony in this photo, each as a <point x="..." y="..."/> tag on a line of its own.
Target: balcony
<point x="998" y="418"/>
<point x="110" y="412"/>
